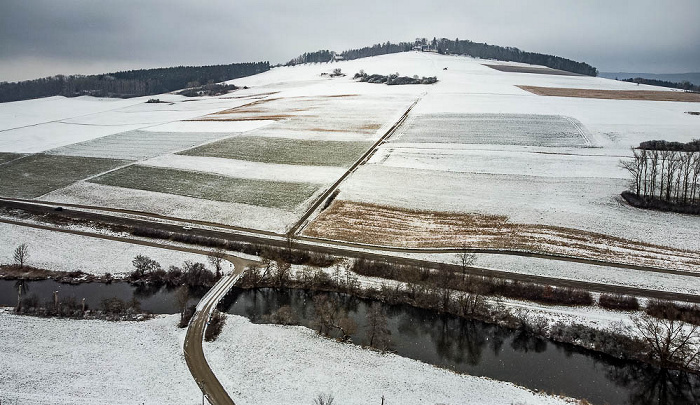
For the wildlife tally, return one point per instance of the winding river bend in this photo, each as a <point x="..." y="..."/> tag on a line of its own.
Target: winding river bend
<point x="461" y="345"/>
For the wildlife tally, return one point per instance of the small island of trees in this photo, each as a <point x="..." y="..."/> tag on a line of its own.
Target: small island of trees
<point x="665" y="176"/>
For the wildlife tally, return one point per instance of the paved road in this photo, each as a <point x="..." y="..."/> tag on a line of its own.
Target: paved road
<point x="240" y="234"/>
<point x="371" y="255"/>
<point x="194" y="353"/>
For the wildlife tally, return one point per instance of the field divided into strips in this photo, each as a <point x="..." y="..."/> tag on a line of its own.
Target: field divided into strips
<point x="137" y="145"/>
<point x="284" y="151"/>
<point x="495" y="129"/>
<point x="35" y="175"/>
<point x="390" y="226"/>
<point x="264" y="193"/>
<point x="345" y="117"/>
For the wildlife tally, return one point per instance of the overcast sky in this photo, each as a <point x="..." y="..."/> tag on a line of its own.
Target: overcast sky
<point x="46" y="37"/>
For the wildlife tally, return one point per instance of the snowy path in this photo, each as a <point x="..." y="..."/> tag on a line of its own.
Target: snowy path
<point x="194" y="354"/>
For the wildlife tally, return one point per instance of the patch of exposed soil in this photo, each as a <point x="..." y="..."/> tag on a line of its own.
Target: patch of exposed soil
<point x="648" y="95"/>
<point x="390" y="226"/>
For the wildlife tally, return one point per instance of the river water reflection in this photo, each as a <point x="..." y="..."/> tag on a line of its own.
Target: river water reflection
<point x="461" y="345"/>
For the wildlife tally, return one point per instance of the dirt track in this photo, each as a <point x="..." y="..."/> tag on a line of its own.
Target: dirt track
<point x="194" y="353"/>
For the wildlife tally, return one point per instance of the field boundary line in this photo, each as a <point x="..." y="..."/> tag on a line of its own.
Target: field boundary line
<point x="299" y="225"/>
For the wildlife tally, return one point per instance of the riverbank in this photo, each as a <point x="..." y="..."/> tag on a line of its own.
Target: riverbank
<point x="81" y="361"/>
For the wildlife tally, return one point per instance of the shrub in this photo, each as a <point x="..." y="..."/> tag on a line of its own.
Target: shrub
<point x="673" y="311"/>
<point x="214" y="326"/>
<point x="619" y="302"/>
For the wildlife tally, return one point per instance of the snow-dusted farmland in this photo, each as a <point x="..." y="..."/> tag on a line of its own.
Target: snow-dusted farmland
<point x="474" y="143"/>
<point x="66" y="252"/>
<point x="62" y="361"/>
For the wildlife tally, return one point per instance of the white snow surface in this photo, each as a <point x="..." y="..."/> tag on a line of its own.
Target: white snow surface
<point x="209" y="126"/>
<point x="272" y="364"/>
<point x="248" y="216"/>
<point x="61" y="361"/>
<point x="248" y="169"/>
<point x="571" y="186"/>
<point x="67" y="252"/>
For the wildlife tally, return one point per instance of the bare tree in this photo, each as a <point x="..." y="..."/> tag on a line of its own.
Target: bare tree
<point x="377" y="332"/>
<point x="21" y="254"/>
<point x="283" y="274"/>
<point x="216" y="258"/>
<point x="329" y="317"/>
<point x="144" y="265"/>
<point x="22" y="288"/>
<point x="466" y="259"/>
<point x="183" y="297"/>
<point x="324" y="399"/>
<point x="669" y="341"/>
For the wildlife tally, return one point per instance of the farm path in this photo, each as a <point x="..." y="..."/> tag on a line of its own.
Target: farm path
<point x="299" y="225"/>
<point x="194" y="353"/>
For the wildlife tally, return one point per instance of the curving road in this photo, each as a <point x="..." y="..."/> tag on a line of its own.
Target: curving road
<point x="194" y="353"/>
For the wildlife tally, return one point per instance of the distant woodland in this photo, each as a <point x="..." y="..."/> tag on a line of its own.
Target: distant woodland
<point x="460" y="47"/>
<point x="132" y="83"/>
<point x="686" y="85"/>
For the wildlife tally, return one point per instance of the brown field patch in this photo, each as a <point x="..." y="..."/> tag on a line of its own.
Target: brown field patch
<point x="372" y="127"/>
<point x="391" y="226"/>
<point x="531" y="69"/>
<point x="648" y="95"/>
<point x="343" y="95"/>
<point x="275" y="117"/>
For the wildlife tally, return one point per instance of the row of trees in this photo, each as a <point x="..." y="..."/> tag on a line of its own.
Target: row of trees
<point x="685" y="85"/>
<point x="510" y="54"/>
<point x="460" y="47"/>
<point x="323" y="55"/>
<point x="132" y="83"/>
<point x="664" y="173"/>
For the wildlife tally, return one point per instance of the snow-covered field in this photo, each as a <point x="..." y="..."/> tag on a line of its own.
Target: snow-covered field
<point x="61" y="361"/>
<point x="89" y="362"/>
<point x="271" y="364"/>
<point x="65" y="252"/>
<point x="244" y="215"/>
<point x="474" y="143"/>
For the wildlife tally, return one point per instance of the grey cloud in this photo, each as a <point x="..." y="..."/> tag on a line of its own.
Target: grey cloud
<point x="81" y="35"/>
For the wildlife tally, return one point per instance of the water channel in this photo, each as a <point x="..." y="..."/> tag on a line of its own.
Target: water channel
<point x="461" y="345"/>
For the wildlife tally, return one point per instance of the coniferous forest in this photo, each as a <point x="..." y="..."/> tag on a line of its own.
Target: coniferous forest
<point x="459" y="47"/>
<point x="132" y="83"/>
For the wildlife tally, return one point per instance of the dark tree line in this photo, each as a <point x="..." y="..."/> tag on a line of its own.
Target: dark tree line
<point x="460" y="47"/>
<point x="132" y="83"/>
<point x="377" y="49"/>
<point x="312" y="57"/>
<point x="686" y="85"/>
<point x="664" y="171"/>
<point x="510" y="54"/>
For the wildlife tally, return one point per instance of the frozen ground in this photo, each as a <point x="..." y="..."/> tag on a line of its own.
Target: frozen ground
<point x="60" y="361"/>
<point x="474" y="143"/>
<point x="586" y="203"/>
<point x="271" y="364"/>
<point x="249" y="170"/>
<point x="65" y="252"/>
<point x="248" y="216"/>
